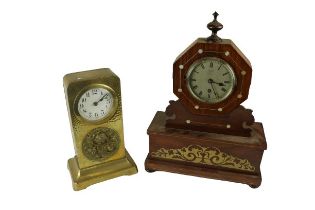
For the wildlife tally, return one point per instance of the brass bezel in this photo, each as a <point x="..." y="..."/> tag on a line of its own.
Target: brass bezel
<point x="230" y="69"/>
<point x="111" y="112"/>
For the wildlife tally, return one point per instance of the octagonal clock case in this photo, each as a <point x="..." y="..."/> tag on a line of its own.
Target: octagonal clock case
<point x="207" y="132"/>
<point x="222" y="58"/>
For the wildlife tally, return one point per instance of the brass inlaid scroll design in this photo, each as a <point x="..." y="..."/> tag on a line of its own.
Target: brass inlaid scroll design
<point x="204" y="155"/>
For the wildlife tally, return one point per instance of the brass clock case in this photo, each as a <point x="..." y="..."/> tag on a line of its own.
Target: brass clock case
<point x="75" y="84"/>
<point x="225" y="50"/>
<point x="100" y="153"/>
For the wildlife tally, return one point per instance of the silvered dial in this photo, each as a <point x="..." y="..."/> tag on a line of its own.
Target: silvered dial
<point x="210" y="80"/>
<point x="95" y="104"/>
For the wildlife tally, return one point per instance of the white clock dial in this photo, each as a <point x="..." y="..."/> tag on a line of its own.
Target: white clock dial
<point x="95" y="104"/>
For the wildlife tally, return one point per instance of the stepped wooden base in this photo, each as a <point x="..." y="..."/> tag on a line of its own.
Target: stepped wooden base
<point x="82" y="178"/>
<point x="209" y="155"/>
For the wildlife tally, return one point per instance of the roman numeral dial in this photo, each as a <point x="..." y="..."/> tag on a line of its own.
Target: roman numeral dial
<point x="210" y="80"/>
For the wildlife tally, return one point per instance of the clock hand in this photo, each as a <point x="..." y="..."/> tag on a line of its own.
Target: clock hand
<point x="101" y="99"/>
<point x="215" y="92"/>
<point x="218" y="83"/>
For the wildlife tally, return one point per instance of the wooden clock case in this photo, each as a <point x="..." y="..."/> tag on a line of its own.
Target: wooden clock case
<point x="219" y="141"/>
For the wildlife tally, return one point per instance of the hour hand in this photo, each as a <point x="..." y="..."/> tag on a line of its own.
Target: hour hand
<point x="218" y="83"/>
<point x="210" y="81"/>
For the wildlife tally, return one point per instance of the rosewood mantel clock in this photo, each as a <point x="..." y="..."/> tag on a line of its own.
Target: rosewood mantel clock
<point x="206" y="132"/>
<point x="95" y="112"/>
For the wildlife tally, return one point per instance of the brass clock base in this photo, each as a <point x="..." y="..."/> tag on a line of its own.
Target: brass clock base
<point x="84" y="177"/>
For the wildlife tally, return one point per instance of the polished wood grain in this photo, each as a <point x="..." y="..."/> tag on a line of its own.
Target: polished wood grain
<point x="249" y="148"/>
<point x="236" y="122"/>
<point x="213" y="140"/>
<point x="225" y="50"/>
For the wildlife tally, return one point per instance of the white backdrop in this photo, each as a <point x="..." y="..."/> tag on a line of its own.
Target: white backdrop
<point x="41" y="41"/>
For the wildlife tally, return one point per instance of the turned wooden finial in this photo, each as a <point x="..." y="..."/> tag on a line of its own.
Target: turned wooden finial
<point x="214" y="26"/>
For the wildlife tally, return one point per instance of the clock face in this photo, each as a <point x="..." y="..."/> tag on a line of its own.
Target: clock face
<point x="95" y="104"/>
<point x="210" y="80"/>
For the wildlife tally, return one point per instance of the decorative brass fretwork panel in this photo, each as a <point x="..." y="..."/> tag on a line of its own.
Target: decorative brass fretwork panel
<point x="100" y="143"/>
<point x="204" y="155"/>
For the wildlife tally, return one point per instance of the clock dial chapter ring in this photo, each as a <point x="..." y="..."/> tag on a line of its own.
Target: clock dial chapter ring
<point x="100" y="144"/>
<point x="210" y="80"/>
<point x="96" y="103"/>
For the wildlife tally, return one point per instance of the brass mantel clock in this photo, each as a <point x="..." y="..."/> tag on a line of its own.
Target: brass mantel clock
<point x="95" y="112"/>
<point x="206" y="132"/>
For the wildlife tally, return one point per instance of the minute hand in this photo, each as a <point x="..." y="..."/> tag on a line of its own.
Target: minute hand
<point x="215" y="92"/>
<point x="96" y="102"/>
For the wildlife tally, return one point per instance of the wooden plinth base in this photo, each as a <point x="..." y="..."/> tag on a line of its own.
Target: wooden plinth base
<point x="209" y="155"/>
<point x="153" y="165"/>
<point x="82" y="178"/>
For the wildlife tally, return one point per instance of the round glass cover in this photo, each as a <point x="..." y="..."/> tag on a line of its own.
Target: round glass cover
<point x="95" y="104"/>
<point x="210" y="80"/>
